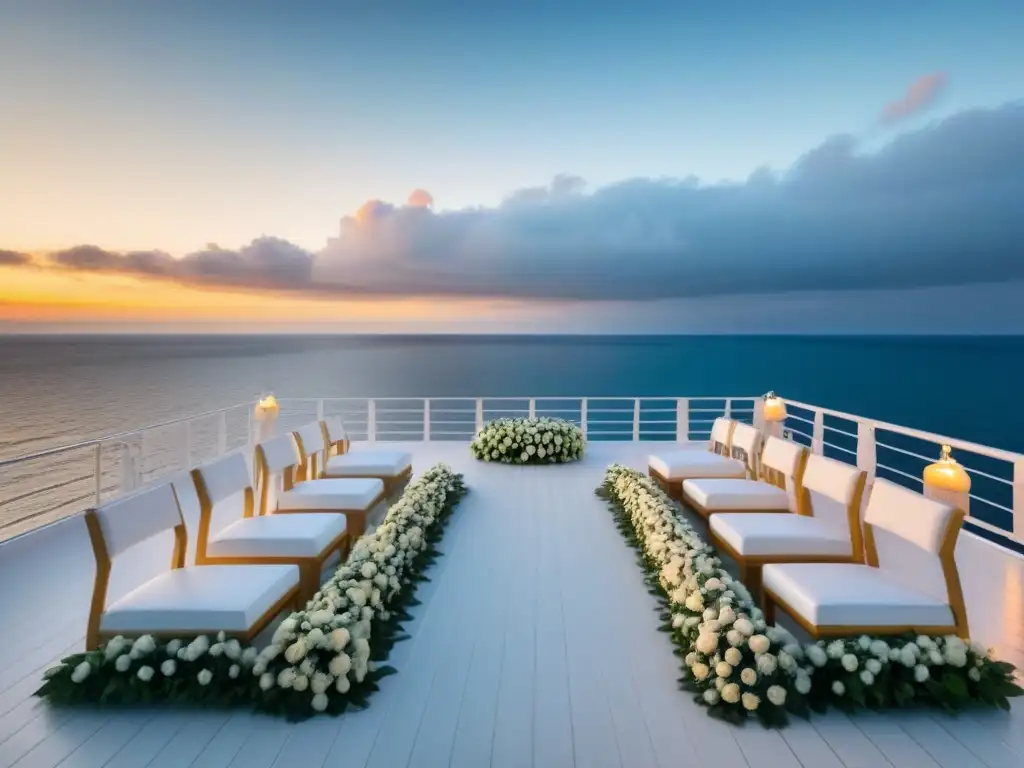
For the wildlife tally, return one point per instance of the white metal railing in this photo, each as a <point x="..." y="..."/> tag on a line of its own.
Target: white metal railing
<point x="32" y="494"/>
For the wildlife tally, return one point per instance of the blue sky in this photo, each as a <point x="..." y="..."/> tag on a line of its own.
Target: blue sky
<point x="165" y="126"/>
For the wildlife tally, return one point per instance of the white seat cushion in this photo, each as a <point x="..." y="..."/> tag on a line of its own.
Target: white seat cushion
<point x="853" y="595"/>
<point x="204" y="598"/>
<point x="351" y="493"/>
<point x="374" y="463"/>
<point x="680" y="465"/>
<point x="755" y="534"/>
<point x="732" y="493"/>
<point x="286" y="535"/>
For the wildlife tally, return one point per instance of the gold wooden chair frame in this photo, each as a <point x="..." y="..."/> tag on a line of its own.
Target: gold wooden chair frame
<point x="951" y="576"/>
<point x="750" y="566"/>
<point x="673" y="488"/>
<point x="393" y="484"/>
<point x="310" y="568"/>
<point x="759" y="472"/>
<point x="356" y="519"/>
<point x="95" y="637"/>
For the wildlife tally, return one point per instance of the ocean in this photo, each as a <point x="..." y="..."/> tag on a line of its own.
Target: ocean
<point x="57" y="390"/>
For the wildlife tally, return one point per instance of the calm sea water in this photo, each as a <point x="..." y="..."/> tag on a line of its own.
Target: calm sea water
<point x="59" y="390"/>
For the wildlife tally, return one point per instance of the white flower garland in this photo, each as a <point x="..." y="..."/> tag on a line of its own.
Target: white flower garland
<point x="529" y="441"/>
<point x="738" y="666"/>
<point x="319" y="657"/>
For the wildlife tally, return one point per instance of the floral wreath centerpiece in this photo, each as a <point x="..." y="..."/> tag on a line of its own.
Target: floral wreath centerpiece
<point x="529" y="441"/>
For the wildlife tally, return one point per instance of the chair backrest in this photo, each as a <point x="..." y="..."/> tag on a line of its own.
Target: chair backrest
<point x="125" y="522"/>
<point x="222" y="478"/>
<point x="782" y="463"/>
<point x="277" y="463"/>
<point x="312" y="445"/>
<point x="721" y="435"/>
<point x="335" y="434"/>
<point x="216" y="482"/>
<point x="118" y="526"/>
<point x="746" y="441"/>
<point x="832" y="492"/>
<point x="930" y="527"/>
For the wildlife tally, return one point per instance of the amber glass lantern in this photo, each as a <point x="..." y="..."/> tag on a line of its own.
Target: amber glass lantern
<point x="947" y="481"/>
<point x="774" y="408"/>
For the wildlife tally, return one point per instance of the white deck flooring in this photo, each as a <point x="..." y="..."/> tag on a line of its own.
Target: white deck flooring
<point x="535" y="645"/>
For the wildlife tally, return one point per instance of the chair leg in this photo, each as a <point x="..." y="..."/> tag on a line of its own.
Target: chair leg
<point x="768" y="608"/>
<point x="309" y="580"/>
<point x="355" y="524"/>
<point x="750" y="575"/>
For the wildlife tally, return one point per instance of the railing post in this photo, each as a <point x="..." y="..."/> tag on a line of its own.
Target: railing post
<point x="98" y="471"/>
<point x="583" y="416"/>
<point x="371" y="420"/>
<point x="131" y="474"/>
<point x="320" y="409"/>
<point x="818" y="433"/>
<point x="728" y="408"/>
<point x="1018" y="499"/>
<point x="426" y="420"/>
<point x="478" y="420"/>
<point x="682" y="420"/>
<point x="533" y="408"/>
<point x="186" y="443"/>
<point x="759" y="422"/>
<point x="867" y="455"/>
<point x="222" y="433"/>
<point x="636" y="419"/>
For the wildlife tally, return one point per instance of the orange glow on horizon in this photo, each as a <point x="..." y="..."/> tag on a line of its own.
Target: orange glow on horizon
<point x="53" y="295"/>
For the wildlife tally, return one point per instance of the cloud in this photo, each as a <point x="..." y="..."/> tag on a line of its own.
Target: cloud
<point x="920" y="95"/>
<point x="936" y="206"/>
<point x="13" y="258"/>
<point x="267" y="262"/>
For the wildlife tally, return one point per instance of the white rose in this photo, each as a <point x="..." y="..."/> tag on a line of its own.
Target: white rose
<point x="145" y="674"/>
<point x="874" y="666"/>
<point x="921" y="673"/>
<point x="234" y="671"/>
<point x="802" y="683"/>
<point x="750" y="702"/>
<point x="735" y="637"/>
<point x="760" y="644"/>
<point x="816" y="655"/>
<point x="974" y="674"/>
<point x="319" y="702"/>
<point x="296" y="652"/>
<point x="766" y="663"/>
<point x="300" y="683"/>
<point x="836" y="649"/>
<point x="707" y="642"/>
<point x="838" y="688"/>
<point x="849" y="662"/>
<point x="733" y="656"/>
<point x="744" y="625"/>
<point x="204" y="677"/>
<point x="866" y="677"/>
<point x="266" y="681"/>
<point x="731" y="693"/>
<point x="168" y="667"/>
<point x="723" y="669"/>
<point x="124" y="661"/>
<point x="711" y="697"/>
<point x="342" y="685"/>
<point x="748" y="676"/>
<point x="82" y="671"/>
<point x="700" y="671"/>
<point x="777" y="695"/>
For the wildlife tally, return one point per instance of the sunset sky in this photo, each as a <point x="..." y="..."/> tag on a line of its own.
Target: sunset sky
<point x="635" y="167"/>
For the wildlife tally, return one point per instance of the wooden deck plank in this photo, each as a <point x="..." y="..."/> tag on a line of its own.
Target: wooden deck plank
<point x="535" y="645"/>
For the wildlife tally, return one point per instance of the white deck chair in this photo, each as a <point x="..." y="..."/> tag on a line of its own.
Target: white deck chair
<point x="780" y="470"/>
<point x="672" y="468"/>
<point x="279" y="461"/>
<point x="306" y="540"/>
<point x="832" y="599"/>
<point x="826" y="527"/>
<point x="392" y="467"/>
<point x="186" y="601"/>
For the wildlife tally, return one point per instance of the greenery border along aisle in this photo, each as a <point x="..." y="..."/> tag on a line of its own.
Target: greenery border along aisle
<point x="529" y="441"/>
<point x="321" y="659"/>
<point x="739" y="667"/>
